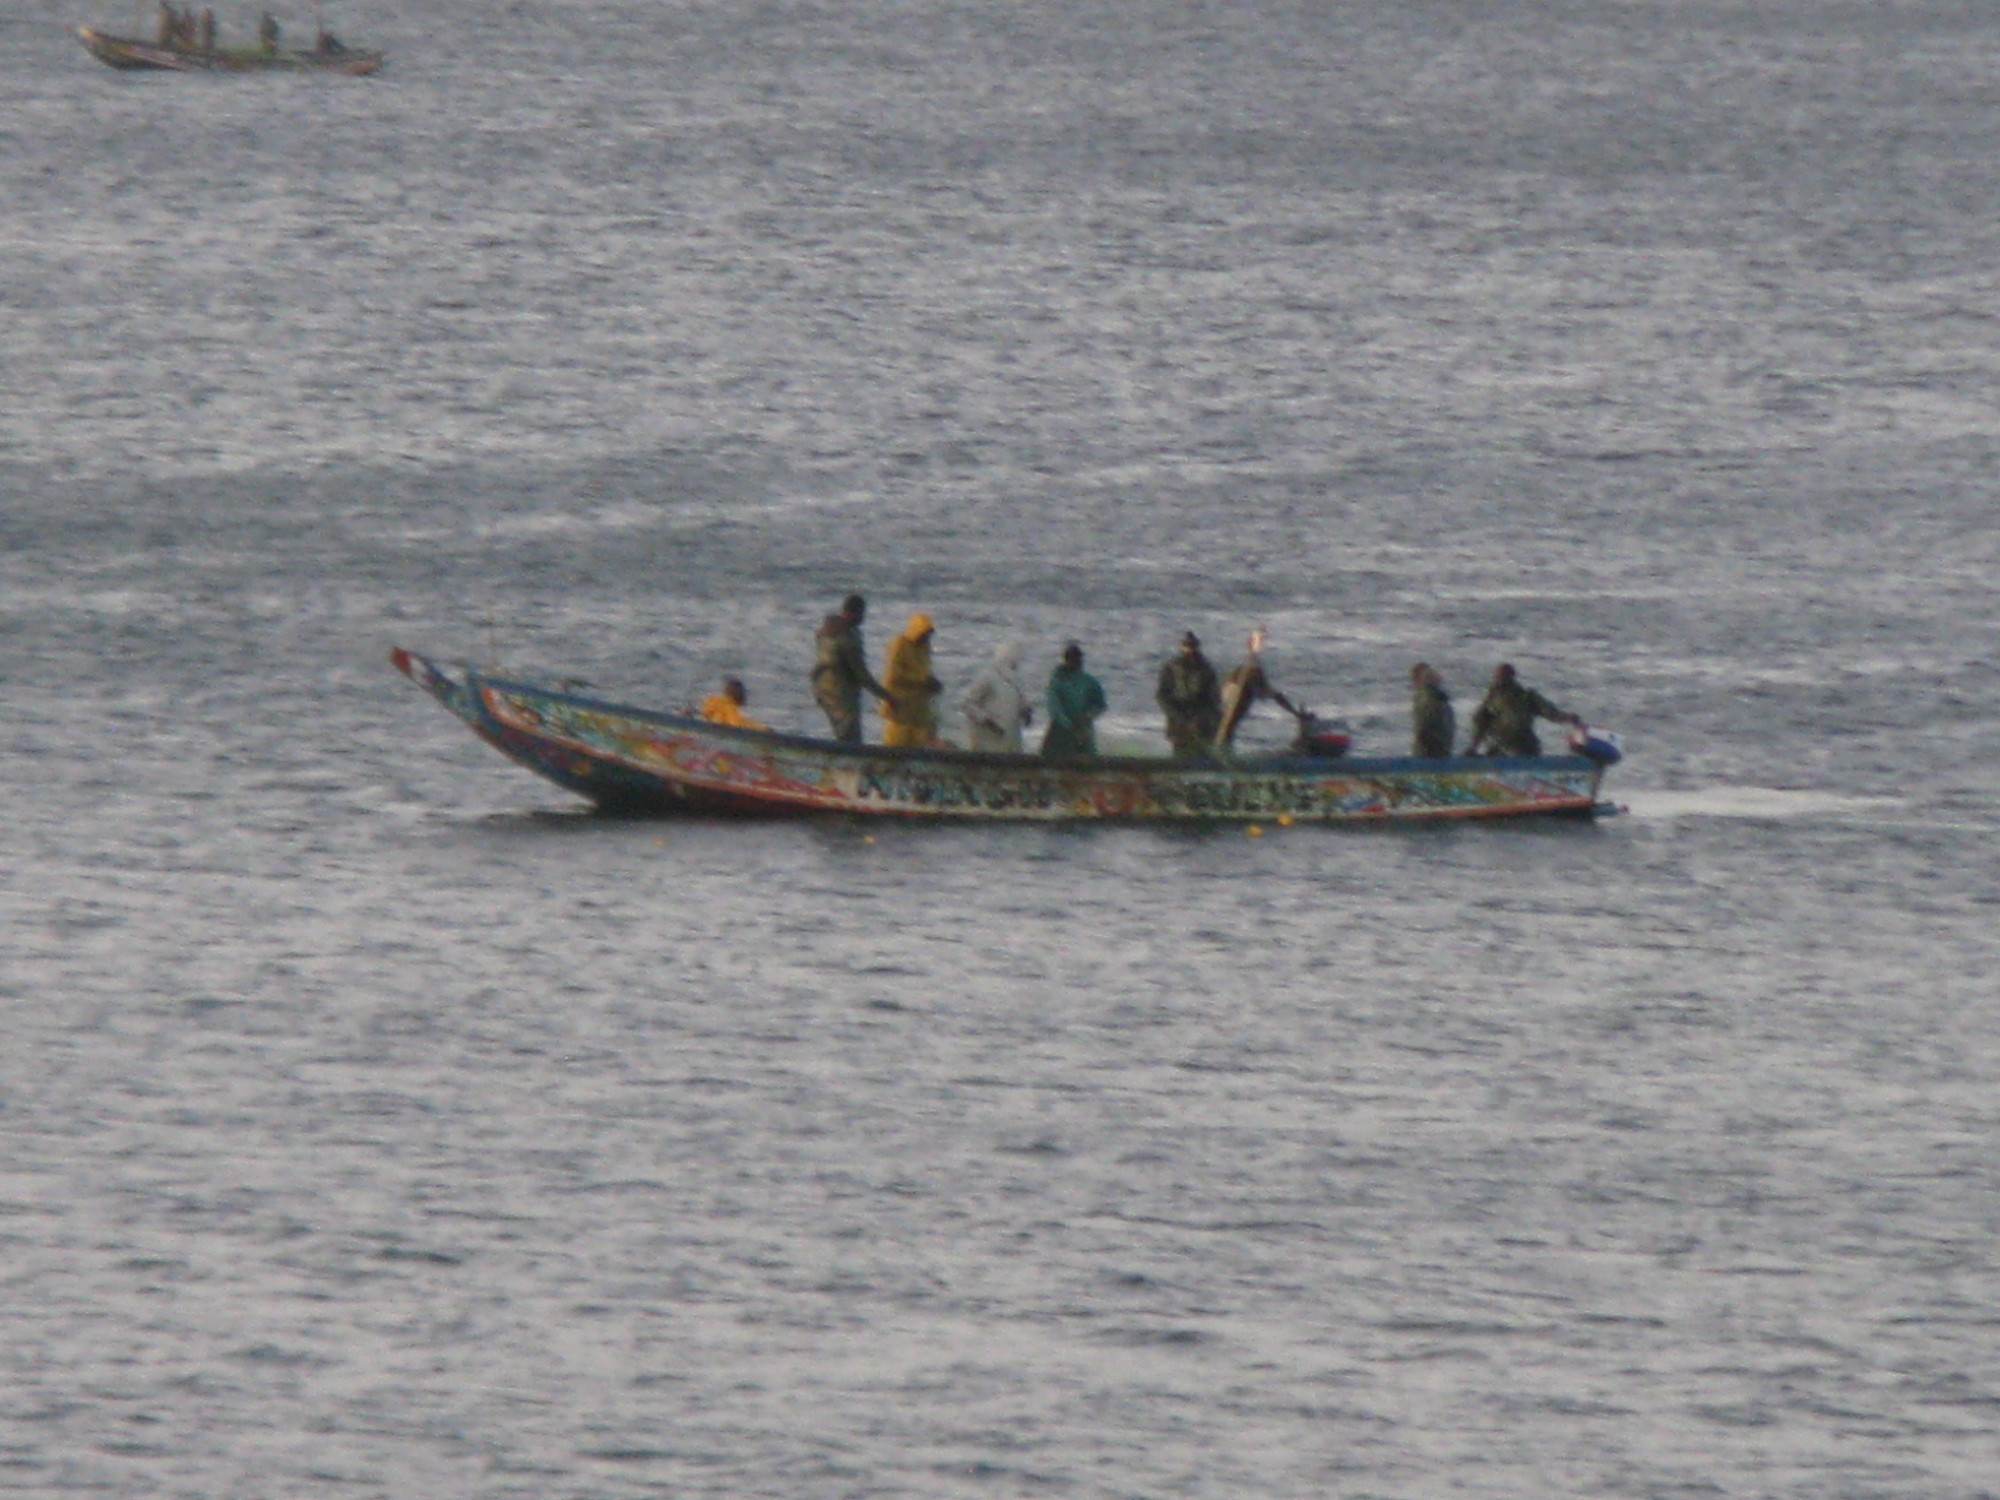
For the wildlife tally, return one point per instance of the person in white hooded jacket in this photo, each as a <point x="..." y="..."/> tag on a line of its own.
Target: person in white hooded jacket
<point x="995" y="707"/>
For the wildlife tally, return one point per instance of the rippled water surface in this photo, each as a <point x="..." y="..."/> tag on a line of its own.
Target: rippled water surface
<point x="375" y="1122"/>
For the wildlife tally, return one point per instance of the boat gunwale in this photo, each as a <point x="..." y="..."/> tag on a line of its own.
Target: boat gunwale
<point x="1275" y="762"/>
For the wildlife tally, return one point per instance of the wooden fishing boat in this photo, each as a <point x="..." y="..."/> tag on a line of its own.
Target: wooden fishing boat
<point x="130" y="53"/>
<point x="634" y="760"/>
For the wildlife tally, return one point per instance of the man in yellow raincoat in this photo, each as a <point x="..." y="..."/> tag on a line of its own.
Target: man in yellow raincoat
<point x="909" y="713"/>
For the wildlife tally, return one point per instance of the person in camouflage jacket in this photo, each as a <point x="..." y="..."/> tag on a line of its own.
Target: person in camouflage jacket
<point x="1504" y="722"/>
<point x="1191" y="698"/>
<point x="1433" y="724"/>
<point x="840" y="669"/>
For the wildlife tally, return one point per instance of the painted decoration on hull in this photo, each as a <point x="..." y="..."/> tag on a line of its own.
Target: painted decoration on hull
<point x="640" y="760"/>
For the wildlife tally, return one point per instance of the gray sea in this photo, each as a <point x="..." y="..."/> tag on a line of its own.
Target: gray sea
<point x="376" y="1121"/>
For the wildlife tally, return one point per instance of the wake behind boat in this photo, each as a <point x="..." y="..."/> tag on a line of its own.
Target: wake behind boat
<point x="635" y="760"/>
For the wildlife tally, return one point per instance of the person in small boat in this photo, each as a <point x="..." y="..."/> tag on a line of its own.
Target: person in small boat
<point x="726" y="706"/>
<point x="1504" y="722"/>
<point x="177" y="26"/>
<point x="1243" y="688"/>
<point x="1191" y="698"/>
<point x="268" y="32"/>
<point x="995" y="706"/>
<point x="327" y="44"/>
<point x="1432" y="721"/>
<point x="1075" y="701"/>
<point x="840" y="669"/>
<point x="909" y="713"/>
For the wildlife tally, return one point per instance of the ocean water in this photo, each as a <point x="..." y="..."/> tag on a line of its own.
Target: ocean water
<point x="374" y="1121"/>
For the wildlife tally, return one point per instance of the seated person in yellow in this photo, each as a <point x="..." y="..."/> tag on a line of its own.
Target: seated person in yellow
<point x="726" y="707"/>
<point x="909" y="713"/>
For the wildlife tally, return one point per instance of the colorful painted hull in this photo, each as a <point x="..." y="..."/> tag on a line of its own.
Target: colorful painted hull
<point x="634" y="760"/>
<point x="129" y="53"/>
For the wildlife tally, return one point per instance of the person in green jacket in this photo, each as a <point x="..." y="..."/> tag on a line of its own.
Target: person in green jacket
<point x="1075" y="700"/>
<point x="1504" y="722"/>
<point x="1432" y="721"/>
<point x="1190" y="697"/>
<point x="840" y="669"/>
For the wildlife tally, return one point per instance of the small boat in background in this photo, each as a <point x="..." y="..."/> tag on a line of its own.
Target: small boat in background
<point x="129" y="53"/>
<point x="635" y="760"/>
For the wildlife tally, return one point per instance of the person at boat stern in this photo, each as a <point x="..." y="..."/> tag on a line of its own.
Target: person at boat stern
<point x="1433" y="722"/>
<point x="840" y="669"/>
<point x="995" y="706"/>
<point x="1191" y="698"/>
<point x="726" y="707"/>
<point x="1243" y="687"/>
<point x="1076" y="700"/>
<point x="909" y="713"/>
<point x="1504" y="722"/>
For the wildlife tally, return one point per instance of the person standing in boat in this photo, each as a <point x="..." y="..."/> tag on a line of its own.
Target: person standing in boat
<point x="1432" y="721"/>
<point x="909" y="713"/>
<point x="1191" y="698"/>
<point x="995" y="706"/>
<point x="268" y="32"/>
<point x="726" y="707"/>
<point x="840" y="669"/>
<point x="1242" y="689"/>
<point x="208" y="33"/>
<point x="1075" y="699"/>
<point x="168" y="24"/>
<point x="1504" y="722"/>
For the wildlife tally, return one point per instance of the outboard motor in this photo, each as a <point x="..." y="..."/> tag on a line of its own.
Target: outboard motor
<point x="1600" y="745"/>
<point x="1320" y="737"/>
